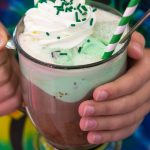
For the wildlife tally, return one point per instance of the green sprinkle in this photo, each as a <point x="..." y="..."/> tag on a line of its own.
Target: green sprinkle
<point x="71" y="2"/>
<point x="73" y="25"/>
<point x="78" y="7"/>
<point x="75" y="83"/>
<point x="77" y="17"/>
<point x="79" y="50"/>
<point x="84" y="8"/>
<point x="41" y="1"/>
<point x="80" y="11"/>
<point x="60" y="93"/>
<point x="84" y="19"/>
<point x="69" y="9"/>
<point x="63" y="54"/>
<point x="66" y="4"/>
<point x="57" y="12"/>
<point x="66" y="10"/>
<point x="95" y="9"/>
<point x="59" y="8"/>
<point x="47" y="33"/>
<point x="88" y="41"/>
<point x="53" y="1"/>
<point x="62" y="4"/>
<point x="91" y="22"/>
<point x="58" y="37"/>
<point x="52" y="54"/>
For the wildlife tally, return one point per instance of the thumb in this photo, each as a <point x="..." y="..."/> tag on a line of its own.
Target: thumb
<point x="3" y="37"/>
<point x="3" y="42"/>
<point x="136" y="46"/>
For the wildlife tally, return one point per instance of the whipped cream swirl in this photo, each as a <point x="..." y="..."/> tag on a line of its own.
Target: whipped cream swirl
<point x="63" y="24"/>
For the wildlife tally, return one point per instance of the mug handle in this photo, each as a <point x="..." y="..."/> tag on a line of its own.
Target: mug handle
<point x="10" y="45"/>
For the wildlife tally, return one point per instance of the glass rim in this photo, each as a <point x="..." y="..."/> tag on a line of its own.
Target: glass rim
<point x="37" y="61"/>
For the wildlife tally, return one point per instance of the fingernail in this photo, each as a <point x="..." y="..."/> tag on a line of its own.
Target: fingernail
<point x="138" y="48"/>
<point x="88" y="110"/>
<point x="90" y="124"/>
<point x="96" y="138"/>
<point x="102" y="95"/>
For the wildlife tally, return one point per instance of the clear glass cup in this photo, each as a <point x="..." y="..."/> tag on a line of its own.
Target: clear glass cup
<point x="48" y="90"/>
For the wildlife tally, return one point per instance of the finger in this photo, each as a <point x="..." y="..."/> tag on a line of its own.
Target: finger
<point x="8" y="89"/>
<point x="3" y="41"/>
<point x="12" y="104"/>
<point x="136" y="46"/>
<point x="118" y="106"/>
<point x="3" y="37"/>
<point x="127" y="84"/>
<point x="138" y="37"/>
<point x="114" y="122"/>
<point x="110" y="136"/>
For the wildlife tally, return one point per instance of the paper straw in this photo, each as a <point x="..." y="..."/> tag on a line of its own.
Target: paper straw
<point x="121" y="28"/>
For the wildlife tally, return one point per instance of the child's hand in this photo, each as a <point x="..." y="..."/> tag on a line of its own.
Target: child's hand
<point x="10" y="95"/>
<point x="119" y="107"/>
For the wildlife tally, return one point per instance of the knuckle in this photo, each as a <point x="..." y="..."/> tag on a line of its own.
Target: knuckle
<point x="114" y="125"/>
<point x="121" y="107"/>
<point x="116" y="90"/>
<point x="107" y="109"/>
<point x="106" y="124"/>
<point x="135" y="103"/>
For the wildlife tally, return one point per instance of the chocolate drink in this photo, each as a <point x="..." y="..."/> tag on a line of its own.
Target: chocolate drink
<point x="60" y="129"/>
<point x="60" y="61"/>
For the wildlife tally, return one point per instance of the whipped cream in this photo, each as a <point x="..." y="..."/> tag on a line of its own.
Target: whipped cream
<point x="69" y="34"/>
<point x="69" y="85"/>
<point x="57" y="23"/>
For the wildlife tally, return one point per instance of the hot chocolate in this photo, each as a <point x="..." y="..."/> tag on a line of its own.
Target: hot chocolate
<point x="62" y="66"/>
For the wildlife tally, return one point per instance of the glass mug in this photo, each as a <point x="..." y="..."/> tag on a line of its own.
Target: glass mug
<point x="52" y="93"/>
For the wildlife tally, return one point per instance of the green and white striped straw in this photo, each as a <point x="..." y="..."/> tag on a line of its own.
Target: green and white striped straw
<point x="35" y="2"/>
<point x="121" y="28"/>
